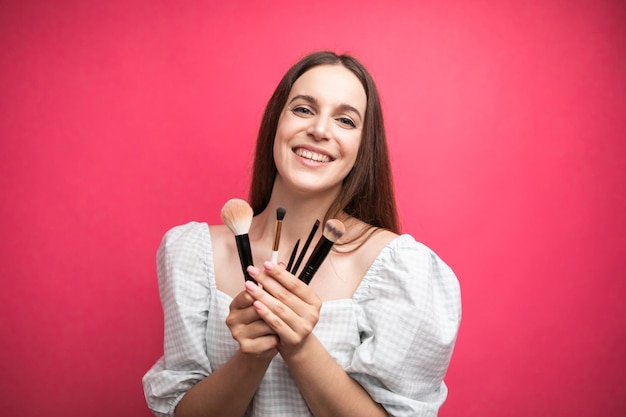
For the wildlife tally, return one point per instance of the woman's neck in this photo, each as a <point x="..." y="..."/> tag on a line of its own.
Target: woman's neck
<point x="302" y="211"/>
<point x="298" y="221"/>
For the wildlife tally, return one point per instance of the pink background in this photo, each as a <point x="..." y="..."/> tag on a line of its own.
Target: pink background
<point x="506" y="121"/>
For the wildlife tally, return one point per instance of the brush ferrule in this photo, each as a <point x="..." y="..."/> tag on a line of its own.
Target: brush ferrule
<point x="245" y="254"/>
<point x="277" y="230"/>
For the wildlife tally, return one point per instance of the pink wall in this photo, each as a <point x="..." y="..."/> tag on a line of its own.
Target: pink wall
<point x="507" y="130"/>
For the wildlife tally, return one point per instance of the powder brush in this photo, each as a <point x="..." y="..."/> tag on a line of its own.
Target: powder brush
<point x="237" y="216"/>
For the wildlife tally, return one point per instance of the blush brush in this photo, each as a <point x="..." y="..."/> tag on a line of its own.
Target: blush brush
<point x="237" y="216"/>
<point x="333" y="230"/>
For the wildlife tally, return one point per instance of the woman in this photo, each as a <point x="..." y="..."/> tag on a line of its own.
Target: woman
<point x="371" y="335"/>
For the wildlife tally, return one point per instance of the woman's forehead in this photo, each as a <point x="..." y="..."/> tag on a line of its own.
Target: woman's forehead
<point x="331" y="84"/>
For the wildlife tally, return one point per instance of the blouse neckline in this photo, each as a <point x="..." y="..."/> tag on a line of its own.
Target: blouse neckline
<point x="361" y="289"/>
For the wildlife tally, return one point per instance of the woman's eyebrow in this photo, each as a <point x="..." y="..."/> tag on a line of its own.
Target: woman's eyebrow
<point x="312" y="100"/>
<point x="349" y="108"/>
<point x="308" y="99"/>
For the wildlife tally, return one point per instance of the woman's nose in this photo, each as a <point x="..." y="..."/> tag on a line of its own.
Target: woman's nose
<point x="320" y="128"/>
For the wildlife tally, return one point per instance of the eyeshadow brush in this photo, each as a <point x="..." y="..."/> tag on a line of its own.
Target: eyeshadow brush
<point x="280" y="215"/>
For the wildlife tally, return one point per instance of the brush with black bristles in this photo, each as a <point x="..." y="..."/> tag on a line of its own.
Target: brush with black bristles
<point x="237" y="215"/>
<point x="333" y="230"/>
<point x="280" y="215"/>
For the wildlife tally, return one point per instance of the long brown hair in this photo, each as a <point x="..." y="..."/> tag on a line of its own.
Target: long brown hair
<point x="367" y="191"/>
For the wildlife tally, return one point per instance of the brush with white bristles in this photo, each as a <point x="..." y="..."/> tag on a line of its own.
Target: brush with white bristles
<point x="237" y="215"/>
<point x="333" y="230"/>
<point x="280" y="215"/>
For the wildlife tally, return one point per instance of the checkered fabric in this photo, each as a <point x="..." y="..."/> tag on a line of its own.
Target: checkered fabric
<point x="394" y="336"/>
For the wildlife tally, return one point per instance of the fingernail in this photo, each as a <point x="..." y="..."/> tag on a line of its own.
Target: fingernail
<point x="250" y="286"/>
<point x="253" y="271"/>
<point x="269" y="266"/>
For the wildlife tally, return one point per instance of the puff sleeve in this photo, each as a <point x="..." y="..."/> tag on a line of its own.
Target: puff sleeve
<point x="182" y="267"/>
<point x="408" y="313"/>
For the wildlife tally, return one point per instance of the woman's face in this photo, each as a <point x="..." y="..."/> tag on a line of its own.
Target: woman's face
<point x="319" y="130"/>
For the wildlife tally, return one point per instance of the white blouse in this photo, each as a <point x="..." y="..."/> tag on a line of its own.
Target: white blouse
<point x="394" y="336"/>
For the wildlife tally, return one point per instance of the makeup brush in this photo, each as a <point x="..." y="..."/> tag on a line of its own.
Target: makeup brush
<point x="305" y="247"/>
<point x="280" y="215"/>
<point x="333" y="230"/>
<point x="292" y="257"/>
<point x="237" y="215"/>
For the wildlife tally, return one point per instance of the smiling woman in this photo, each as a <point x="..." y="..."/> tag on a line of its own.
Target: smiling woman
<point x="319" y="133"/>
<point x="505" y="123"/>
<point x="372" y="334"/>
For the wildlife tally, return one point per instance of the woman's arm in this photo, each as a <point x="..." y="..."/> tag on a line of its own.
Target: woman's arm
<point x="229" y="390"/>
<point x="291" y="309"/>
<point x="326" y="387"/>
<point x="226" y="392"/>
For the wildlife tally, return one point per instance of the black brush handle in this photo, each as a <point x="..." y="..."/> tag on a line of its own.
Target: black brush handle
<point x="245" y="255"/>
<point x="320" y="252"/>
<point x="305" y="247"/>
<point x="293" y="255"/>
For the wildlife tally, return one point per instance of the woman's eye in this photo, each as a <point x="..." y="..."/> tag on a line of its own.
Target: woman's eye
<point x="346" y="121"/>
<point x="302" y="110"/>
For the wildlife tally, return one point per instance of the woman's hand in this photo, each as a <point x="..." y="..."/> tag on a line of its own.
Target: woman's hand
<point x="253" y="334"/>
<point x="288" y="306"/>
<point x="229" y="389"/>
<point x="291" y="309"/>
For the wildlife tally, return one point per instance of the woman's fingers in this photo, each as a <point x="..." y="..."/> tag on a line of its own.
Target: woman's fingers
<point x="289" y="331"/>
<point x="256" y="338"/>
<point x="285" y="287"/>
<point x="252" y="333"/>
<point x="287" y="305"/>
<point x="241" y="310"/>
<point x="260" y="346"/>
<point x="272" y="310"/>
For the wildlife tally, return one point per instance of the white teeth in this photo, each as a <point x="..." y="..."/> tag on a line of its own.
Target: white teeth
<point x="318" y="157"/>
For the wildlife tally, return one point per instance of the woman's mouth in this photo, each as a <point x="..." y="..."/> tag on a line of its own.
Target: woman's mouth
<point x="313" y="156"/>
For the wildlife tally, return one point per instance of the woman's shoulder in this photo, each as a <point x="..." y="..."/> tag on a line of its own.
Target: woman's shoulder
<point x="186" y="233"/>
<point x="184" y="242"/>
<point x="194" y="230"/>
<point x="407" y="273"/>
<point x="405" y="248"/>
<point x="215" y="240"/>
<point x="403" y="261"/>
<point x="375" y="244"/>
<point x="220" y="233"/>
<point x="361" y="235"/>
